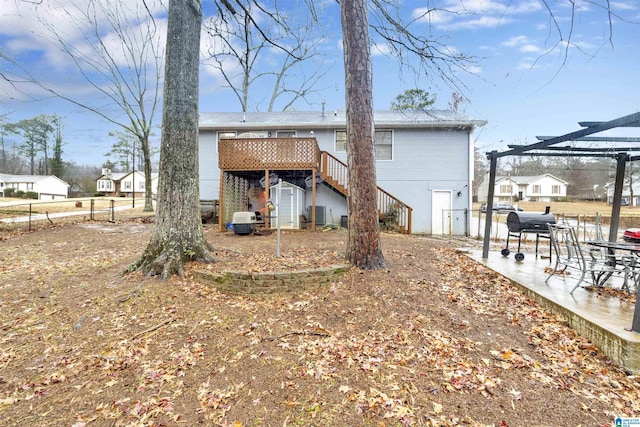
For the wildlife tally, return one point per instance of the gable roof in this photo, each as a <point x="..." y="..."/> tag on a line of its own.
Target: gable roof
<point x="525" y="179"/>
<point x="114" y="176"/>
<point x="119" y="176"/>
<point x="334" y="119"/>
<point x="10" y="178"/>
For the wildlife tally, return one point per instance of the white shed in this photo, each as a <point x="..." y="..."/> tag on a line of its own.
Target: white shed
<point x="289" y="207"/>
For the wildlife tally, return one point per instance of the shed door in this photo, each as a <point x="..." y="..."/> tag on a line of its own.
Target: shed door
<point x="441" y="212"/>
<point x="286" y="210"/>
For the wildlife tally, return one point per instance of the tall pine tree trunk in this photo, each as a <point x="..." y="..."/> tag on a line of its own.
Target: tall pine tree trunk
<point x="364" y="249"/>
<point x="178" y="236"/>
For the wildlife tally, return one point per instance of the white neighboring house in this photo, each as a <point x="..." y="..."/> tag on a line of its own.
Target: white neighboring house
<point x="48" y="187"/>
<point x="122" y="184"/>
<point x="626" y="193"/>
<point x="539" y="188"/>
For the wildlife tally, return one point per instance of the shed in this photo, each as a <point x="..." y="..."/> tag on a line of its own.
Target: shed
<point x="289" y="207"/>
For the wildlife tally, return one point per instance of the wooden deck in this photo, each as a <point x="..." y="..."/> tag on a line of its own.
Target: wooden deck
<point x="273" y="154"/>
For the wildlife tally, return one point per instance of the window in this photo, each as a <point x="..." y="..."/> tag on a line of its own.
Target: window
<point x="140" y="185"/>
<point x="505" y="189"/>
<point x="127" y="185"/>
<point x="341" y="141"/>
<point x="536" y="189"/>
<point x="286" y="133"/>
<point x="555" y="189"/>
<point x="383" y="143"/>
<point x="223" y="135"/>
<point x="29" y="186"/>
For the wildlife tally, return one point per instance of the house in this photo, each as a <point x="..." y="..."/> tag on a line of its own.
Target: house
<point x="539" y="188"/>
<point x="121" y="184"/>
<point x="47" y="187"/>
<point x="627" y="198"/>
<point x="424" y="165"/>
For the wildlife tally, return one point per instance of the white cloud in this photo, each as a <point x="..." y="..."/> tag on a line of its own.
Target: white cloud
<point x="624" y="5"/>
<point x="524" y="65"/>
<point x="380" y="49"/>
<point x="469" y="14"/>
<point x="481" y="22"/>
<point x="516" y="41"/>
<point x="479" y="14"/>
<point x="474" y="69"/>
<point x="34" y="29"/>
<point x="530" y="48"/>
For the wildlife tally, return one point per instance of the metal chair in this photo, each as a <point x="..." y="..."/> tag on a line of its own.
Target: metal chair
<point x="569" y="254"/>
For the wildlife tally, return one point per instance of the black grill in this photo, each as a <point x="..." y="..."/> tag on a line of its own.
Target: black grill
<point x="528" y="222"/>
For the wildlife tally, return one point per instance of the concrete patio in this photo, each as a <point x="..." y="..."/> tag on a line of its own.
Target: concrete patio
<point x="605" y="320"/>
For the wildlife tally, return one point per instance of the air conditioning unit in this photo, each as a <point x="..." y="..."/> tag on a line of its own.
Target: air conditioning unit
<point x="321" y="214"/>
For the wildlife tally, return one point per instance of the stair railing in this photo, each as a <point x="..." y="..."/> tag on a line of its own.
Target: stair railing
<point x="336" y="173"/>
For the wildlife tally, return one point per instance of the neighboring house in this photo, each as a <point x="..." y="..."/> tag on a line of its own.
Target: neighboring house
<point x="423" y="166"/>
<point x="539" y="188"/>
<point x="626" y="193"/>
<point x="48" y="187"/>
<point x="122" y="184"/>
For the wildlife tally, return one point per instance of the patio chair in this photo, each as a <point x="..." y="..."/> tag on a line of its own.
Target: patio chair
<point x="599" y="235"/>
<point x="569" y="254"/>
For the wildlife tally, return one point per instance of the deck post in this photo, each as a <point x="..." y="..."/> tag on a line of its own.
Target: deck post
<point x="220" y="200"/>
<point x="267" y="221"/>
<point x="313" y="199"/>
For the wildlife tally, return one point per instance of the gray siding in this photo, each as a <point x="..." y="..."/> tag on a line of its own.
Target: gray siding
<point x="425" y="159"/>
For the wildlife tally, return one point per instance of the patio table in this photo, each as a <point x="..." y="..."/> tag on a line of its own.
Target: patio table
<point x="630" y="263"/>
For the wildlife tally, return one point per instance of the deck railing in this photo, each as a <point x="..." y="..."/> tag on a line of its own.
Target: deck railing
<point x="268" y="153"/>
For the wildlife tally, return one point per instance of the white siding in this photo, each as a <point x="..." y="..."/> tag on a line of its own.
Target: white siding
<point x="208" y="166"/>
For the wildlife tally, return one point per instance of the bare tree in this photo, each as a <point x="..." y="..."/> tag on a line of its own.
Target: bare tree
<point x="419" y="51"/>
<point x="364" y="249"/>
<point x="239" y="49"/>
<point x="178" y="235"/>
<point x="117" y="50"/>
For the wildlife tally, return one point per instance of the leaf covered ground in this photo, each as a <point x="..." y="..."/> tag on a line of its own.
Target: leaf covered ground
<point x="433" y="340"/>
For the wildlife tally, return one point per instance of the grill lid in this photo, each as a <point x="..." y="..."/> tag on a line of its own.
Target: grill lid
<point x="519" y="222"/>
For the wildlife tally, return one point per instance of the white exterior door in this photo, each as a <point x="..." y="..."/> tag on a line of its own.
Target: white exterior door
<point x="441" y="212"/>
<point x="286" y="208"/>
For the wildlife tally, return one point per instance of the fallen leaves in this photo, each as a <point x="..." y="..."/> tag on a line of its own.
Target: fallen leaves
<point x="436" y="340"/>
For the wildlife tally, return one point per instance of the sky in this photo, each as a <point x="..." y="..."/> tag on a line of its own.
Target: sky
<point x="536" y="67"/>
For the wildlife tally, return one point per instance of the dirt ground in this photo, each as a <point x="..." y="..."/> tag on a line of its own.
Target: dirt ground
<point x="433" y="340"/>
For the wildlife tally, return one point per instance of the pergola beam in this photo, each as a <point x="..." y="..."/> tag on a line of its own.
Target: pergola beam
<point x="598" y="127"/>
<point x="622" y="157"/>
<point x="598" y="138"/>
<point x="594" y="124"/>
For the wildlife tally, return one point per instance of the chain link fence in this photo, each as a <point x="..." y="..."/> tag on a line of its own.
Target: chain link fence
<point x="27" y="216"/>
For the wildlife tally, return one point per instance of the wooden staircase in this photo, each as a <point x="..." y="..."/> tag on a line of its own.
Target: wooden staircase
<point x="335" y="173"/>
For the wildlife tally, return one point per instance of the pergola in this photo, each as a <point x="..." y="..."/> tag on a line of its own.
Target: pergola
<point x="547" y="146"/>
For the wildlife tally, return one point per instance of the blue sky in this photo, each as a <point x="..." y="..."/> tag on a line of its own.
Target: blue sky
<point x="521" y="81"/>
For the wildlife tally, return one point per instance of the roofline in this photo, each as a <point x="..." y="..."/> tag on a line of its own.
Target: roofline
<point x="396" y="125"/>
<point x="307" y="120"/>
